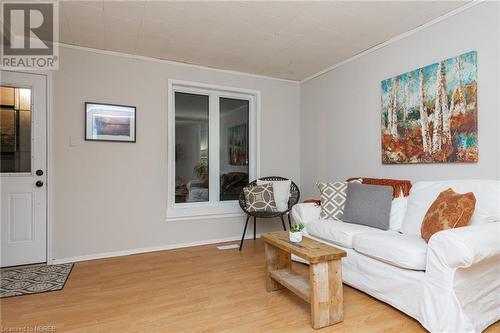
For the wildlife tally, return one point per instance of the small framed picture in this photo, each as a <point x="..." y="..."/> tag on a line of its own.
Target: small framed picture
<point x="109" y="122"/>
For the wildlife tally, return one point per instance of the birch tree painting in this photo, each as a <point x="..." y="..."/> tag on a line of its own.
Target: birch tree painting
<point x="429" y="115"/>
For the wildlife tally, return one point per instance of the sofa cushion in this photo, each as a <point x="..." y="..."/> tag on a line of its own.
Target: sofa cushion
<point x="450" y="210"/>
<point x="338" y="232"/>
<point x="405" y="251"/>
<point x="332" y="196"/>
<point x="398" y="212"/>
<point x="369" y="205"/>
<point x="423" y="194"/>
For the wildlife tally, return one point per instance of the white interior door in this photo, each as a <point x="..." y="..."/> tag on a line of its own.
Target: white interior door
<point x="23" y="173"/>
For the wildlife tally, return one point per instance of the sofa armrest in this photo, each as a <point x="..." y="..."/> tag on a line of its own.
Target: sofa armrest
<point x="465" y="246"/>
<point x="460" y="290"/>
<point x="306" y="212"/>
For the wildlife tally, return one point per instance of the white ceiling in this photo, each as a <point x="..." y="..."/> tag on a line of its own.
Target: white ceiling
<point x="290" y="40"/>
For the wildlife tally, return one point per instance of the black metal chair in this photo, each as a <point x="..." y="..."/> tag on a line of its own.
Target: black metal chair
<point x="294" y="199"/>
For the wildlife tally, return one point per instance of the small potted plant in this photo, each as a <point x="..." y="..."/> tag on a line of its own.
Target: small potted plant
<point x="296" y="231"/>
<point x="201" y="170"/>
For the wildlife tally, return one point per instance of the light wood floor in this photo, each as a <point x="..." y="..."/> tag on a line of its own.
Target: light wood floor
<point x="199" y="289"/>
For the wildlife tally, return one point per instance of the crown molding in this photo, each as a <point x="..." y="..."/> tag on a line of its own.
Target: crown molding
<point x="395" y="39"/>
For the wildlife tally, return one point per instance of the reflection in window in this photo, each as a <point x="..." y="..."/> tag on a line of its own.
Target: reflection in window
<point x="15" y="129"/>
<point x="234" y="149"/>
<point x="191" y="147"/>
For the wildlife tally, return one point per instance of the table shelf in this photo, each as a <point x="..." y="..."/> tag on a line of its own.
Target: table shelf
<point x="322" y="289"/>
<point x="293" y="281"/>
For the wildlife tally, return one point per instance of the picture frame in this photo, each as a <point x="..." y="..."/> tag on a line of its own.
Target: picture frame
<point x="110" y="122"/>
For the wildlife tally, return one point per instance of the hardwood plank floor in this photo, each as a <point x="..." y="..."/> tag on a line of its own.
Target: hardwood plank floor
<point x="198" y="289"/>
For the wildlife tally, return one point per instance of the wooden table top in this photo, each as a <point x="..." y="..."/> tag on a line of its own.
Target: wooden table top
<point x="309" y="249"/>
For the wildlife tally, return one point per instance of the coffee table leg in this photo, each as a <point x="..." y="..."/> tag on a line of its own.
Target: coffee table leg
<point x="326" y="293"/>
<point x="275" y="259"/>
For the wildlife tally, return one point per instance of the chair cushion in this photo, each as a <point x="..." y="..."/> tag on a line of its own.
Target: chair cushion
<point x="405" y="251"/>
<point x="260" y="198"/>
<point x="281" y="191"/>
<point x="338" y="232"/>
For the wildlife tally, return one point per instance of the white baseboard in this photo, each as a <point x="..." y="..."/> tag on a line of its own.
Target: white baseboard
<point x="145" y="250"/>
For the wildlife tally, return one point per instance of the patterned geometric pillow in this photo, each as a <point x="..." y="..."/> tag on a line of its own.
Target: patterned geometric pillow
<point x="332" y="197"/>
<point x="260" y="198"/>
<point x="449" y="210"/>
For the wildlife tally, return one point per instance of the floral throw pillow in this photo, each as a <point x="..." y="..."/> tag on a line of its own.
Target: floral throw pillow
<point x="260" y="198"/>
<point x="449" y="210"/>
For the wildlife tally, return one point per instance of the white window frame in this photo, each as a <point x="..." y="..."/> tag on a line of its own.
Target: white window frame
<point x="212" y="208"/>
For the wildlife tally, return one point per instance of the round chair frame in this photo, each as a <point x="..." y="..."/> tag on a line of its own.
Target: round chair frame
<point x="293" y="200"/>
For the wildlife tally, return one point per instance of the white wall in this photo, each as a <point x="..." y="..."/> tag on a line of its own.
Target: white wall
<point x="340" y="110"/>
<point x="112" y="196"/>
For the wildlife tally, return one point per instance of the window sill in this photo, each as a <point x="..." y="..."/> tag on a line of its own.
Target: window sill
<point x="203" y="211"/>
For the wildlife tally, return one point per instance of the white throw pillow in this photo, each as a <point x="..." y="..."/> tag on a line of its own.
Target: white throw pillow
<point x="398" y="212"/>
<point x="281" y="190"/>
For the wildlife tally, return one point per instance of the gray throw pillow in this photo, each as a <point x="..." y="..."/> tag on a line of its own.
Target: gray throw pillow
<point x="260" y="198"/>
<point x="368" y="205"/>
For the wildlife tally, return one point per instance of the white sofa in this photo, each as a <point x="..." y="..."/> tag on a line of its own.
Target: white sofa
<point x="451" y="284"/>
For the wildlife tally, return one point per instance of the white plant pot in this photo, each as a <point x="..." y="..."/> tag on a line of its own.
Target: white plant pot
<point x="295" y="237"/>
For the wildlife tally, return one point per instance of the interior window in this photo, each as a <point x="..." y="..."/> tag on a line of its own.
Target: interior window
<point x="234" y="148"/>
<point x="212" y="144"/>
<point x="191" y="147"/>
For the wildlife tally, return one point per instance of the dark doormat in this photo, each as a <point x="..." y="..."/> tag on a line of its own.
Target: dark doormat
<point x="33" y="279"/>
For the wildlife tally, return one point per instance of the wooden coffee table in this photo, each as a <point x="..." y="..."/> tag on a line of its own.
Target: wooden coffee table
<point x="323" y="289"/>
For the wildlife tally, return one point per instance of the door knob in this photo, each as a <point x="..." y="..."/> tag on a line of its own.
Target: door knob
<point x="39" y="172"/>
<point x="39" y="183"/>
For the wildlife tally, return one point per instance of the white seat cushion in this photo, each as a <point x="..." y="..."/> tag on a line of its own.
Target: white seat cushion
<point x="405" y="251"/>
<point x="338" y="232"/>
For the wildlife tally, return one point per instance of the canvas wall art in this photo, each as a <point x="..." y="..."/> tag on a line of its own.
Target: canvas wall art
<point x="238" y="144"/>
<point x="429" y="115"/>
